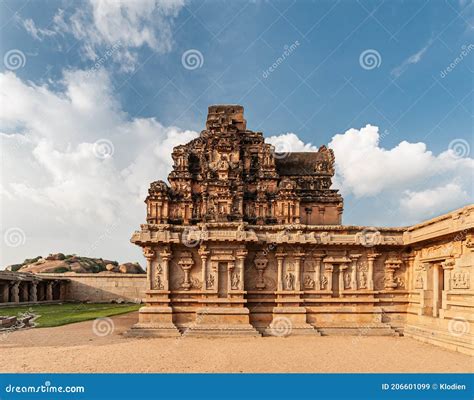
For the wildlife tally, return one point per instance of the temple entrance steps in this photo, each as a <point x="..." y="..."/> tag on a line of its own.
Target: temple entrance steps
<point x="219" y="331"/>
<point x="351" y="329"/>
<point x="463" y="343"/>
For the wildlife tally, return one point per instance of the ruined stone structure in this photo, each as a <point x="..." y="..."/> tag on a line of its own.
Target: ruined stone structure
<point x="18" y="287"/>
<point x="248" y="241"/>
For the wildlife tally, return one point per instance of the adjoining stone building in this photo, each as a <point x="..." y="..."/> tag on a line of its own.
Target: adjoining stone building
<point x="17" y="288"/>
<point x="247" y="241"/>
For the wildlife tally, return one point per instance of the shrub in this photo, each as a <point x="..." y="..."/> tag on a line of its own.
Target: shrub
<point x="60" y="270"/>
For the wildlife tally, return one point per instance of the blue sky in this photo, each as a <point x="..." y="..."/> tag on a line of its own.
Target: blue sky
<point x="322" y="88"/>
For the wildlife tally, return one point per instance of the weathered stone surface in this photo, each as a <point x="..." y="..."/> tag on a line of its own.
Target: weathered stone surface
<point x="246" y="237"/>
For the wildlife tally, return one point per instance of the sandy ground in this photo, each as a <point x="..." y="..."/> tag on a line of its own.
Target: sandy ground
<point x="77" y="348"/>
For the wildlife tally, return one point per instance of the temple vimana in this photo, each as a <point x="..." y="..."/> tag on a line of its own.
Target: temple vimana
<point x="247" y="241"/>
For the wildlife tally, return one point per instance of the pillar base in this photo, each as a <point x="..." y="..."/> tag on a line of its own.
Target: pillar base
<point x="290" y="321"/>
<point x="222" y="322"/>
<point x="154" y="322"/>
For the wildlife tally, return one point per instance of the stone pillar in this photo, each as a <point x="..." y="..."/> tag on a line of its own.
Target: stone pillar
<point x="33" y="291"/>
<point x="49" y="290"/>
<point x="166" y="256"/>
<point x="298" y="258"/>
<point x="203" y="253"/>
<point x="409" y="262"/>
<point x="280" y="258"/>
<point x="342" y="270"/>
<point x="435" y="272"/>
<point x="150" y="255"/>
<point x="24" y="291"/>
<point x="241" y="254"/>
<point x="4" y="293"/>
<point x="354" y="258"/>
<point x="317" y="278"/>
<point x="370" y="274"/>
<point x="329" y="268"/>
<point x="62" y="290"/>
<point x="15" y="292"/>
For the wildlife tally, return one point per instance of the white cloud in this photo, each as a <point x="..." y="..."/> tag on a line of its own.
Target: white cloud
<point x="54" y="187"/>
<point x="366" y="169"/>
<point x="288" y="142"/>
<point x="397" y="186"/>
<point x="429" y="202"/>
<point x="124" y="25"/>
<point x="413" y="59"/>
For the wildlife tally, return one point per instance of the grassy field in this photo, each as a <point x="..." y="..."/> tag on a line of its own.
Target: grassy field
<point x="62" y="314"/>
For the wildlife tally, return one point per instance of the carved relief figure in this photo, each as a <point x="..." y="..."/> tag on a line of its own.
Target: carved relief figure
<point x="461" y="280"/>
<point x="363" y="280"/>
<point x="235" y="280"/>
<point x="324" y="282"/>
<point x="210" y="281"/>
<point x="419" y="281"/>
<point x="308" y="282"/>
<point x="290" y="281"/>
<point x="347" y="280"/>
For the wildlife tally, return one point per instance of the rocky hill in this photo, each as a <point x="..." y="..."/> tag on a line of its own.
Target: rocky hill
<point x="59" y="263"/>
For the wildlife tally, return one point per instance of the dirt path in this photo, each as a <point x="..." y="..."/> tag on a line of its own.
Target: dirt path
<point x="77" y="348"/>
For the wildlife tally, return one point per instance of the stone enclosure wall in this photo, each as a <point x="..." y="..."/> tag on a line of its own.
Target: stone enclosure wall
<point x="104" y="287"/>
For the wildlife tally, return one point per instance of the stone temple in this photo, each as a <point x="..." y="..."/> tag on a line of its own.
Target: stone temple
<point x="247" y="241"/>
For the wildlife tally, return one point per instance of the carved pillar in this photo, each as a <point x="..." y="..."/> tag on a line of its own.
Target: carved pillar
<point x="166" y="256"/>
<point x="203" y="253"/>
<point x="4" y="293"/>
<point x="329" y="268"/>
<point x="49" y="290"/>
<point x="33" y="291"/>
<point x="342" y="270"/>
<point x="435" y="272"/>
<point x="298" y="272"/>
<point x="409" y="262"/>
<point x="317" y="267"/>
<point x="241" y="254"/>
<point x="280" y="258"/>
<point x="15" y="292"/>
<point x="62" y="290"/>
<point x="370" y="264"/>
<point x="186" y="262"/>
<point x="24" y="295"/>
<point x="150" y="255"/>
<point x="354" y="258"/>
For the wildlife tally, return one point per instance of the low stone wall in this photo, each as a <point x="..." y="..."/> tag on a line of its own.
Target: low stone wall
<point x="106" y="287"/>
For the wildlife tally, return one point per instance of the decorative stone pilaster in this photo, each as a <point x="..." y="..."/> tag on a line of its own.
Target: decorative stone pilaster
<point x="240" y="256"/>
<point x="391" y="265"/>
<point x="4" y="293"/>
<point x="342" y="272"/>
<point x="317" y="270"/>
<point x="165" y="255"/>
<point x="370" y="264"/>
<point x="447" y="266"/>
<point x="204" y="254"/>
<point x="280" y="256"/>
<point x="354" y="258"/>
<point x="186" y="262"/>
<point x="326" y="284"/>
<point x="299" y="257"/>
<point x="410" y="265"/>
<point x="150" y="255"/>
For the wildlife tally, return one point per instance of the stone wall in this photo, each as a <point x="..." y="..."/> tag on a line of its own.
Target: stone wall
<point x="441" y="301"/>
<point x="104" y="287"/>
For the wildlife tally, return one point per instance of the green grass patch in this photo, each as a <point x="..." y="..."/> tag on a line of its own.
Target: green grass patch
<point x="68" y="313"/>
